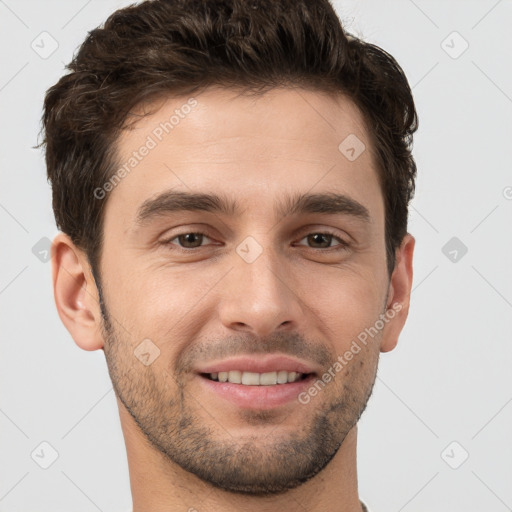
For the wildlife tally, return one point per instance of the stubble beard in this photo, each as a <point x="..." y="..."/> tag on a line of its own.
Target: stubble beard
<point x="170" y="419"/>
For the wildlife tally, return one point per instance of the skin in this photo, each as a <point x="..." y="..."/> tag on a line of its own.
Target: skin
<point x="297" y="298"/>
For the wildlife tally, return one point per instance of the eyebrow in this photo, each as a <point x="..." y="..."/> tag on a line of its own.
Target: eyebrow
<point x="328" y="203"/>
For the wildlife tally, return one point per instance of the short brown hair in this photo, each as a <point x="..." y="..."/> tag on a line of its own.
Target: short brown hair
<point x="173" y="47"/>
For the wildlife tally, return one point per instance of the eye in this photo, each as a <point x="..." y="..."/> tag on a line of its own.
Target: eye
<point x="190" y="240"/>
<point x="194" y="240"/>
<point x="324" y="239"/>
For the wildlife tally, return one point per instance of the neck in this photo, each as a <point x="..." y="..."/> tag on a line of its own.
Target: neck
<point x="158" y="485"/>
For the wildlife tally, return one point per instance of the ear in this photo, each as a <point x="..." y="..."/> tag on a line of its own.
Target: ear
<point x="399" y="294"/>
<point x="75" y="293"/>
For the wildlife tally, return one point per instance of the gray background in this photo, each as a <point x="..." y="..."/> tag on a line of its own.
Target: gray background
<point x="443" y="394"/>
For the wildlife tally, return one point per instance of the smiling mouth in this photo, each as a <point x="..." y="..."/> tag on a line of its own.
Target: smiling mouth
<point x="256" y="379"/>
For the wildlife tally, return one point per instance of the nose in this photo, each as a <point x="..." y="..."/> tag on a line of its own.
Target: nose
<point x="260" y="297"/>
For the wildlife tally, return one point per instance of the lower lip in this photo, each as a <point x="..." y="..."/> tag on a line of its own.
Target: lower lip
<point x="257" y="397"/>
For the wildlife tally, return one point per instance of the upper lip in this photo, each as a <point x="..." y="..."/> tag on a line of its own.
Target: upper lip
<point x="258" y="364"/>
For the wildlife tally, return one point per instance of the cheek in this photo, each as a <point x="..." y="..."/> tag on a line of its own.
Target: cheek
<point x="347" y="303"/>
<point x="170" y="303"/>
<point x="168" y="306"/>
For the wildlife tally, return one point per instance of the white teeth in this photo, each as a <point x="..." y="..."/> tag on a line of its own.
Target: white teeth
<point x="268" y="379"/>
<point x="282" y="377"/>
<point x="250" y="379"/>
<point x="292" y="377"/>
<point x="235" y="377"/>
<point x="256" y="379"/>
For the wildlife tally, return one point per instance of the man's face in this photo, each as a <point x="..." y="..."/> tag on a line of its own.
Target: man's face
<point x="263" y="290"/>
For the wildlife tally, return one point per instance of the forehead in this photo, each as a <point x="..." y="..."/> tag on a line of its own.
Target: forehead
<point x="251" y="147"/>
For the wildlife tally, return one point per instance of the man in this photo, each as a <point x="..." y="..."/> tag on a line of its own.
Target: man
<point x="231" y="179"/>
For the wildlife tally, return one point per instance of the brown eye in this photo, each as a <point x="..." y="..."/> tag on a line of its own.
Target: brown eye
<point x="188" y="240"/>
<point x="320" y="238"/>
<point x="323" y="241"/>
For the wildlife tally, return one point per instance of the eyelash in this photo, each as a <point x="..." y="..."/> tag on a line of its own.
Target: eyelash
<point x="343" y="245"/>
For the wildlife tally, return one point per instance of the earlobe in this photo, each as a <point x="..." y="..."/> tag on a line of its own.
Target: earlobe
<point x="399" y="294"/>
<point x="75" y="293"/>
